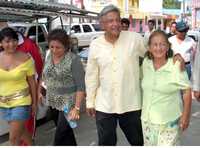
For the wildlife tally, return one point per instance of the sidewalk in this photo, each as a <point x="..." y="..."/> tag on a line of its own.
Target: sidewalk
<point x="86" y="132"/>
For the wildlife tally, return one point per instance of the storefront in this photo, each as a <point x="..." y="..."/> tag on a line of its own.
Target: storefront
<point x="195" y="14"/>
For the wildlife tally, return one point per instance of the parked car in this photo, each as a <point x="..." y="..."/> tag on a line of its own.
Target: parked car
<point x="29" y="30"/>
<point x="194" y="34"/>
<point x="83" y="32"/>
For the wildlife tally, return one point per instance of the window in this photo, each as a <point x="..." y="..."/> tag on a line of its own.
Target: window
<point x="96" y="27"/>
<point x="21" y="29"/>
<point x="87" y="28"/>
<point x="76" y="29"/>
<point x="32" y="32"/>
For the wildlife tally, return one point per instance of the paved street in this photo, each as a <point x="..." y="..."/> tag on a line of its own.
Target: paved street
<point x="86" y="132"/>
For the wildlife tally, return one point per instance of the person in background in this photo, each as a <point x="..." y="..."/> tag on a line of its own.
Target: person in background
<point x="172" y="29"/>
<point x="125" y="24"/>
<point x="162" y="116"/>
<point x="17" y="87"/>
<point x="28" y="46"/>
<point x="63" y="76"/>
<point x="196" y="73"/>
<point x="183" y="45"/>
<point x="151" y="28"/>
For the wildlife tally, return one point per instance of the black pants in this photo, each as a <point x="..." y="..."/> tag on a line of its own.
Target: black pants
<point x="129" y="122"/>
<point x="64" y="135"/>
<point x="54" y="115"/>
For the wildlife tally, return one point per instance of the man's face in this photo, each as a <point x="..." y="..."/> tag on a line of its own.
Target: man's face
<point x="173" y="28"/>
<point x="181" y="34"/>
<point x="125" y="26"/>
<point x="111" y="23"/>
<point x="150" y="25"/>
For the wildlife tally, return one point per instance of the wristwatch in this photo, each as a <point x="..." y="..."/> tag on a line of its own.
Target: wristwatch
<point x="77" y="109"/>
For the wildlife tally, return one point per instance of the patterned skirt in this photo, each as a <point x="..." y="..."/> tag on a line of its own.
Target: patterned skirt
<point x="161" y="134"/>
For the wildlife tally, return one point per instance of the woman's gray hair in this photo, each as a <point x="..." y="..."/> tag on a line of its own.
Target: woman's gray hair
<point x="107" y="9"/>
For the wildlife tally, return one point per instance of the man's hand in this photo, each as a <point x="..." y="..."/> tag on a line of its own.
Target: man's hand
<point x="197" y="95"/>
<point x="178" y="57"/>
<point x="91" y="112"/>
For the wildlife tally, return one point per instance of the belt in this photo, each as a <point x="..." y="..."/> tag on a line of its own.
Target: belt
<point x="17" y="95"/>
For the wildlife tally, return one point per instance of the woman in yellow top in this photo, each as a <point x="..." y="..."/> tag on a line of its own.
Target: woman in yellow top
<point x="17" y="85"/>
<point x="163" y="118"/>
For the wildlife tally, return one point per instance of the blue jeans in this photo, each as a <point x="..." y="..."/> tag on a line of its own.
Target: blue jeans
<point x="15" y="113"/>
<point x="188" y="69"/>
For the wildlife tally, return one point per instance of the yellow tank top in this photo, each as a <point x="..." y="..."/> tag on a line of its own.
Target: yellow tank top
<point x="13" y="81"/>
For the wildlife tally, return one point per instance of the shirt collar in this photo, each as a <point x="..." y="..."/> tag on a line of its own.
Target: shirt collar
<point x="164" y="68"/>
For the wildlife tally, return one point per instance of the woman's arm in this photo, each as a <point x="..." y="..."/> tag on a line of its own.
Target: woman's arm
<point x="78" y="75"/>
<point x="185" y="118"/>
<point x="33" y="91"/>
<point x="75" y="112"/>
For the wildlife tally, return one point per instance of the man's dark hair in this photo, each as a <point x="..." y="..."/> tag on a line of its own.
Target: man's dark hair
<point x="125" y="21"/>
<point x="151" y="21"/>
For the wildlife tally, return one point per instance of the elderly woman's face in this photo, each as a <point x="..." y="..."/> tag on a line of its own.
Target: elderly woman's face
<point x="112" y="23"/>
<point x="56" y="48"/>
<point x="158" y="47"/>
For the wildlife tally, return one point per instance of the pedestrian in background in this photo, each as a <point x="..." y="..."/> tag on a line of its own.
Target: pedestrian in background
<point x="151" y="28"/>
<point x="112" y="80"/>
<point x="172" y="29"/>
<point x="125" y="24"/>
<point x="196" y="73"/>
<point x="17" y="85"/>
<point x="163" y="119"/>
<point x="63" y="76"/>
<point x="183" y="45"/>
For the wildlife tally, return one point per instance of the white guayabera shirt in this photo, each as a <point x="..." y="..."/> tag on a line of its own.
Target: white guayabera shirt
<point x="112" y="74"/>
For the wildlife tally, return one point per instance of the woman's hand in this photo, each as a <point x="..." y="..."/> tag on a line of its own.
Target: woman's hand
<point x="197" y="95"/>
<point x="178" y="57"/>
<point x="40" y="97"/>
<point x="74" y="114"/>
<point x="33" y="109"/>
<point x="184" y="122"/>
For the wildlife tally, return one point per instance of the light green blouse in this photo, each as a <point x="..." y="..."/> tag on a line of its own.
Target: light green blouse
<point x="162" y="101"/>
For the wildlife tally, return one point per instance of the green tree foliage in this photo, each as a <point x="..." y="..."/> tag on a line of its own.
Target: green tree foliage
<point x="171" y="4"/>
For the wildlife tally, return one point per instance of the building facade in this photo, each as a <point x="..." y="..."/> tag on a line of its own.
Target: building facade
<point x="195" y="14"/>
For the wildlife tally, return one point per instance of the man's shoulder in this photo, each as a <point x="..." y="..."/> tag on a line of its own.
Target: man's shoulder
<point x="189" y="39"/>
<point x="130" y="35"/>
<point x="172" y="38"/>
<point x="97" y="40"/>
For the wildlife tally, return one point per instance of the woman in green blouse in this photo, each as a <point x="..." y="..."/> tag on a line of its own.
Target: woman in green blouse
<point x="63" y="76"/>
<point x="163" y="118"/>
